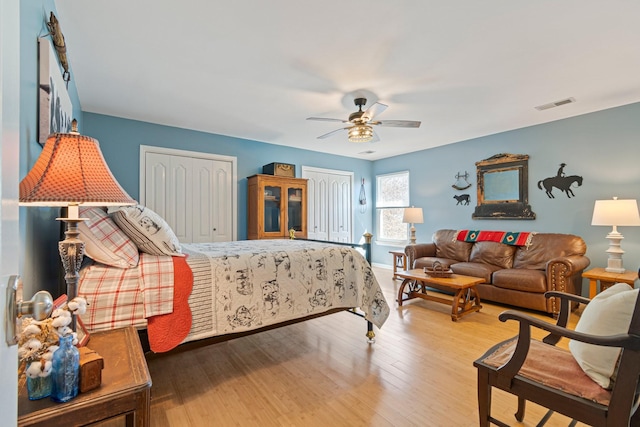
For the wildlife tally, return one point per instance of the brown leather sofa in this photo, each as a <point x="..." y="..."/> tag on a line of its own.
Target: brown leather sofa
<point x="514" y="275"/>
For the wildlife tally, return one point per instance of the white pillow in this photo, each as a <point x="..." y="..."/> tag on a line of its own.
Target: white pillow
<point x="609" y="313"/>
<point x="104" y="241"/>
<point x="148" y="230"/>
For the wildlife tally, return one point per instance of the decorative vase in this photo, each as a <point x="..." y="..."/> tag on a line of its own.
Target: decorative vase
<point x="39" y="387"/>
<point x="66" y="368"/>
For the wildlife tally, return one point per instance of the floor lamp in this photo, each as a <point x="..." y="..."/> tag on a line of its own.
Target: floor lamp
<point x="615" y="213"/>
<point x="412" y="216"/>
<point x="70" y="172"/>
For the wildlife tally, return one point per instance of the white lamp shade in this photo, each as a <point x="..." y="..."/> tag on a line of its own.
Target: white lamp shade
<point x="616" y="212"/>
<point x="412" y="216"/>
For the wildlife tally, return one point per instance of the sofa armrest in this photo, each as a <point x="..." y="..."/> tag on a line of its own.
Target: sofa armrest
<point x="418" y="250"/>
<point x="563" y="273"/>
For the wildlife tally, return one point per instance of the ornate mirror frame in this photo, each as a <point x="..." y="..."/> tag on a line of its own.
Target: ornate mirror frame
<point x="503" y="188"/>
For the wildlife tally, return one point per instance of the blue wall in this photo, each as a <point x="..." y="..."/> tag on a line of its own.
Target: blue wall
<point x="603" y="147"/>
<point x="39" y="231"/>
<point x="120" y="141"/>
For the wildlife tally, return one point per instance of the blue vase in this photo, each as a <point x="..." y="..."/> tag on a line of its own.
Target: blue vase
<point x="39" y="387"/>
<point x="66" y="370"/>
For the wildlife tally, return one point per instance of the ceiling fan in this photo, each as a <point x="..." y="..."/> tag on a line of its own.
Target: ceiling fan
<point x="361" y="129"/>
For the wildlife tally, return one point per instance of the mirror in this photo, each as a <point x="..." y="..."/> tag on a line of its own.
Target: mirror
<point x="503" y="182"/>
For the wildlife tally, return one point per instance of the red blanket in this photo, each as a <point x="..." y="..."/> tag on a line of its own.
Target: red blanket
<point x="168" y="330"/>
<point x="515" y="238"/>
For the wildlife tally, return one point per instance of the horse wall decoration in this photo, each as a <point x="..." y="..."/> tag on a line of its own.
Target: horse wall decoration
<point x="562" y="183"/>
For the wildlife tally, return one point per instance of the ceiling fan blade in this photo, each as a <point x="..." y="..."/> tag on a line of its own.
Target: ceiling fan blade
<point x="376" y="138"/>
<point x="326" y="119"/>
<point x="374" y="110"/>
<point x="327" y="135"/>
<point x="397" y="123"/>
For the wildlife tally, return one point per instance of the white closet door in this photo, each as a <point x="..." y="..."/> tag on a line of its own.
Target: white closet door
<point x="194" y="195"/>
<point x="340" y="208"/>
<point x="329" y="204"/>
<point x="202" y="203"/>
<point x="317" y="206"/>
<point x="222" y="200"/>
<point x="180" y="198"/>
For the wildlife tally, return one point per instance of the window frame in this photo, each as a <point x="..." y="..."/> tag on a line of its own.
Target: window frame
<point x="380" y="208"/>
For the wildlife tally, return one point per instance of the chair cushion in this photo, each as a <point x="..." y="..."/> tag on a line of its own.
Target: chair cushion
<point x="104" y="241"/>
<point x="609" y="313"/>
<point x="147" y="229"/>
<point x="551" y="366"/>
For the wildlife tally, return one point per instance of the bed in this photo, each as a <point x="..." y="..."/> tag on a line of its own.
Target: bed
<point x="204" y="291"/>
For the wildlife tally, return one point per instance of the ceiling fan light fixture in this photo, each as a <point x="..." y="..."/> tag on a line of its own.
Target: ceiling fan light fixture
<point x="360" y="133"/>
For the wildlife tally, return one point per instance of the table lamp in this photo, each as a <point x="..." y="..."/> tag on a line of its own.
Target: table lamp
<point x="615" y="213"/>
<point x="70" y="172"/>
<point x="412" y="216"/>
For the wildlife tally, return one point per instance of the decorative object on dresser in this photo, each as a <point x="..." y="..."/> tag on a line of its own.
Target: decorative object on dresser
<point x="615" y="212"/>
<point x="91" y="365"/>
<point x="280" y="169"/>
<point x="517" y="267"/>
<point x="276" y="204"/>
<point x="70" y="172"/>
<point x="412" y="216"/>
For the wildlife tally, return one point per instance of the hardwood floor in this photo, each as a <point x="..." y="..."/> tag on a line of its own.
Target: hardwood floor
<point x="323" y="373"/>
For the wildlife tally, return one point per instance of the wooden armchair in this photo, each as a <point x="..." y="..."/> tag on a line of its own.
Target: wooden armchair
<point x="540" y="372"/>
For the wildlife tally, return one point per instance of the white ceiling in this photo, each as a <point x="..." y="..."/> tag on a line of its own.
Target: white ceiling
<point x="258" y="69"/>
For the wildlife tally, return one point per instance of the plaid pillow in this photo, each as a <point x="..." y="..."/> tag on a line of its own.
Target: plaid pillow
<point x="104" y="241"/>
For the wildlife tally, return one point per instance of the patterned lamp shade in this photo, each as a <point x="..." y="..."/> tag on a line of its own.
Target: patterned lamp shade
<point x="71" y="171"/>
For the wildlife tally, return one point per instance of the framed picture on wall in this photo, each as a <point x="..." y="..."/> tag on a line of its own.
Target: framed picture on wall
<point x="55" y="110"/>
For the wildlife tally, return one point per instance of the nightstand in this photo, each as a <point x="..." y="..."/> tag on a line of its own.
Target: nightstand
<point x="125" y="389"/>
<point x="607" y="279"/>
<point x="399" y="262"/>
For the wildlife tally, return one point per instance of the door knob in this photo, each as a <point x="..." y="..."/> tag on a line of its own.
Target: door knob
<point x="39" y="307"/>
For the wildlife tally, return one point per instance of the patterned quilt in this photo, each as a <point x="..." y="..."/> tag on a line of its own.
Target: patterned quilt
<point x="263" y="282"/>
<point x="237" y="286"/>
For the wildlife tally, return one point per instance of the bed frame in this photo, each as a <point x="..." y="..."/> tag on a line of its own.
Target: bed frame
<point x="366" y="246"/>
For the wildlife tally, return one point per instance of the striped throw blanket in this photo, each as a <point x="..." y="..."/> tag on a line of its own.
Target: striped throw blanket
<point x="514" y="238"/>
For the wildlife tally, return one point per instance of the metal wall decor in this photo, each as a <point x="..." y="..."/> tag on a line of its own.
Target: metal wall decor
<point x="503" y="193"/>
<point x="463" y="199"/>
<point x="561" y="182"/>
<point x="462" y="181"/>
<point x="61" y="48"/>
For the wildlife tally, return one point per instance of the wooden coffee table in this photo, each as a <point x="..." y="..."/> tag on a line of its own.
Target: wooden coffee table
<point x="465" y="300"/>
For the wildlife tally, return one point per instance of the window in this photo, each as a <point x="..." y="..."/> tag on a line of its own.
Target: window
<point x="392" y="196"/>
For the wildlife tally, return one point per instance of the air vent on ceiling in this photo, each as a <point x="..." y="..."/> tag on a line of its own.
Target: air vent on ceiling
<point x="555" y="104"/>
<point x="366" y="152"/>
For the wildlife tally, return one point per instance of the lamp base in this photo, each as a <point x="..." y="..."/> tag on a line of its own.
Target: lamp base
<point x="614" y="263"/>
<point x="413" y="235"/>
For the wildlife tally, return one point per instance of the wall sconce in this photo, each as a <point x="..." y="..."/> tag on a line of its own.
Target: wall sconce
<point x="412" y="216"/>
<point x="362" y="199"/>
<point x="615" y="213"/>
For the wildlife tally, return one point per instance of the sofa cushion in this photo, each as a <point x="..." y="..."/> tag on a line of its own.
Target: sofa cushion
<point x="448" y="247"/>
<point x="521" y="280"/>
<point x="475" y="269"/>
<point x="493" y="253"/>
<point x="546" y="246"/>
